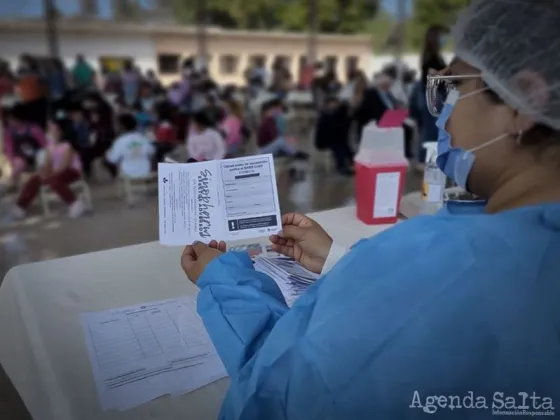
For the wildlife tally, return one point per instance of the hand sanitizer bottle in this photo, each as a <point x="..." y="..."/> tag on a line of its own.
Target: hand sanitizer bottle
<point x="434" y="182"/>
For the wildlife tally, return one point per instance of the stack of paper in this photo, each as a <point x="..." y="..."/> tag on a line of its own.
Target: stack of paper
<point x="291" y="277"/>
<point x="254" y="250"/>
<point x="142" y="352"/>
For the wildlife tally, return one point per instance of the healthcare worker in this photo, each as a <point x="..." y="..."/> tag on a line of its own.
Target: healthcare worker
<point x="456" y="315"/>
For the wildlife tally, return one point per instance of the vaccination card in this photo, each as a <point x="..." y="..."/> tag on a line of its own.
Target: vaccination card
<point x="227" y="200"/>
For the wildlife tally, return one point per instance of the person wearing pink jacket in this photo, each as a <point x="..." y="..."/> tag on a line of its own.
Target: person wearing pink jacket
<point x="204" y="141"/>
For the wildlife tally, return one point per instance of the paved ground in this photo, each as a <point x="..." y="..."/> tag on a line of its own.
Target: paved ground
<point x="113" y="225"/>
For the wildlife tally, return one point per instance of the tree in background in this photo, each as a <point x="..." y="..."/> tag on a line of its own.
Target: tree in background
<point x="433" y="12"/>
<point x="127" y="9"/>
<point x="88" y="8"/>
<point x="335" y="16"/>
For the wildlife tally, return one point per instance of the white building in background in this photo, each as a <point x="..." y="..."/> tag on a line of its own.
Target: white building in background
<point x="163" y="47"/>
<point x="17" y="38"/>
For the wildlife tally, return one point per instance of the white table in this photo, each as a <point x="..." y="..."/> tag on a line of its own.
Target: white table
<point x="42" y="344"/>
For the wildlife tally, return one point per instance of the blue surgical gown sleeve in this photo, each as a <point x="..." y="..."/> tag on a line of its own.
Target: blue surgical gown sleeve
<point x="239" y="306"/>
<point x="436" y="306"/>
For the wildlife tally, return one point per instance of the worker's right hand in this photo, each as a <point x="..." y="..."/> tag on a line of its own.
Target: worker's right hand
<point x="304" y="240"/>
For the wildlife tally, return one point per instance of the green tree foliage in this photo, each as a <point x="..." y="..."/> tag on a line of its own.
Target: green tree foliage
<point x="126" y="9"/>
<point x="334" y="16"/>
<point x="433" y="12"/>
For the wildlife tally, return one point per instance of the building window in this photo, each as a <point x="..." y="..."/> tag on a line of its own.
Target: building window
<point x="352" y="63"/>
<point x="257" y="60"/>
<point x="168" y="63"/>
<point x="331" y="62"/>
<point x="229" y="64"/>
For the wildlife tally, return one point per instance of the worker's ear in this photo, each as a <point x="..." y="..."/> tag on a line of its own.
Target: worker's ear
<point x="522" y="124"/>
<point x="532" y="86"/>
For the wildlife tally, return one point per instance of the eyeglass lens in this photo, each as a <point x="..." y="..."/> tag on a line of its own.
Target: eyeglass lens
<point x="436" y="94"/>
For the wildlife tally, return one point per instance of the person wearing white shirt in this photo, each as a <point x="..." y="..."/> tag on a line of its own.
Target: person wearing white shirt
<point x="132" y="151"/>
<point x="204" y="141"/>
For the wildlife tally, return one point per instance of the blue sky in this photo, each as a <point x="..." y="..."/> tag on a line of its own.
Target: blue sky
<point x="33" y="8"/>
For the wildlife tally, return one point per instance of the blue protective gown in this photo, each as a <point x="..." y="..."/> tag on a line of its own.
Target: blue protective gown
<point x="441" y="305"/>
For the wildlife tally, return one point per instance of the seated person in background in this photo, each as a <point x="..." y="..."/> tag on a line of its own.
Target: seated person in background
<point x="147" y="98"/>
<point x="204" y="141"/>
<point x="101" y="137"/>
<point x="214" y="109"/>
<point x="232" y="126"/>
<point x="132" y="151"/>
<point x="165" y="132"/>
<point x="81" y="137"/>
<point x="332" y="132"/>
<point x="176" y="93"/>
<point x="271" y="132"/>
<point x="144" y="119"/>
<point x="22" y="141"/>
<point x="60" y="167"/>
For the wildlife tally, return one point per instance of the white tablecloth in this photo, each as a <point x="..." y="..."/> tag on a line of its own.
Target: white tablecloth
<point x="42" y="343"/>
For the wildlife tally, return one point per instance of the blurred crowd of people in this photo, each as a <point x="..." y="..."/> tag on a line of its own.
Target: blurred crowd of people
<point x="344" y="110"/>
<point x="64" y="119"/>
<point x="60" y="121"/>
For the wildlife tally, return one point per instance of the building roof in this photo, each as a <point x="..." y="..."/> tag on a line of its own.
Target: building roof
<point x="88" y="25"/>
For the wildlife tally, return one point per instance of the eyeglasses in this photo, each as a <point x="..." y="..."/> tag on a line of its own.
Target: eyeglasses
<point x="437" y="89"/>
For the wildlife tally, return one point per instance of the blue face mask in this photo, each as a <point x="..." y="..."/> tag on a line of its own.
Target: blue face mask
<point x="456" y="162"/>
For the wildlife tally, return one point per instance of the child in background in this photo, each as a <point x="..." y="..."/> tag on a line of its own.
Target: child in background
<point x="204" y="142"/>
<point x="271" y="135"/>
<point x="60" y="168"/>
<point x="147" y="98"/>
<point x="214" y="109"/>
<point x="22" y="141"/>
<point x="81" y="137"/>
<point x="165" y="133"/>
<point x="232" y="127"/>
<point x="144" y="119"/>
<point x="132" y="151"/>
<point x="101" y="138"/>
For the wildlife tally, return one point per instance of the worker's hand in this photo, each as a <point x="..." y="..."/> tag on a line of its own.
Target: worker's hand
<point x="304" y="240"/>
<point x="197" y="256"/>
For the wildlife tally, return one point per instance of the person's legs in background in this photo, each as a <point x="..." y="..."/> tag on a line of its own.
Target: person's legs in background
<point x="162" y="149"/>
<point x="278" y="146"/>
<point x="59" y="184"/>
<point x="99" y="151"/>
<point x="28" y="193"/>
<point x="281" y="146"/>
<point x="408" y="141"/>
<point x="343" y="157"/>
<point x="87" y="156"/>
<point x="111" y="168"/>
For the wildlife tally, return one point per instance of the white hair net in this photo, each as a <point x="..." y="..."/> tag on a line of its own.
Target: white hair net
<point x="516" y="46"/>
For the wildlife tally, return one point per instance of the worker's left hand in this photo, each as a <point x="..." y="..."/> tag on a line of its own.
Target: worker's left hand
<point x="197" y="256"/>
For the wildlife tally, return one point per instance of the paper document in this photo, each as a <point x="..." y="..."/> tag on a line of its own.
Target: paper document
<point x="292" y="278"/>
<point x="142" y="352"/>
<point x="226" y="200"/>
